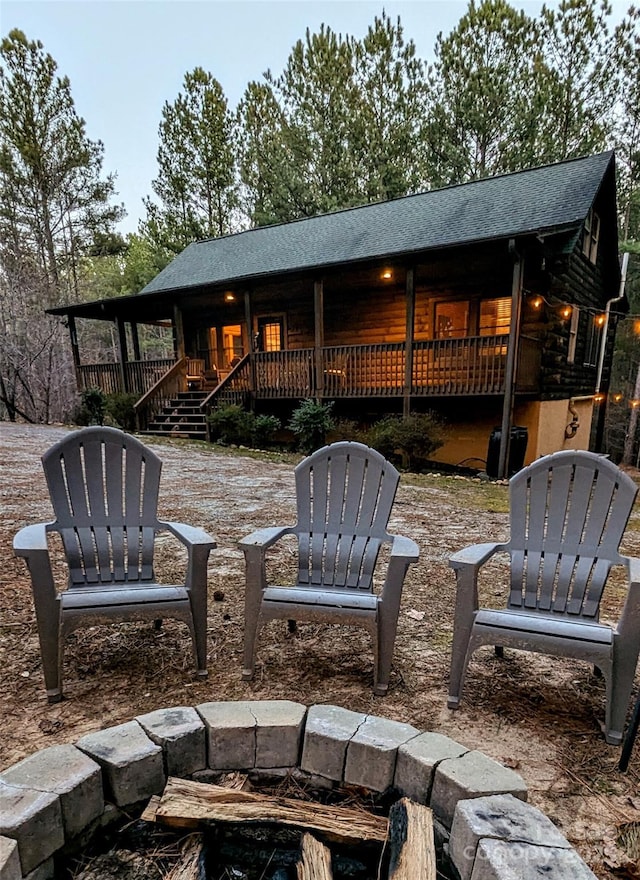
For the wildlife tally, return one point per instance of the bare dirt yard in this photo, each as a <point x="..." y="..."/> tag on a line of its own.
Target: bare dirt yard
<point x="537" y="715"/>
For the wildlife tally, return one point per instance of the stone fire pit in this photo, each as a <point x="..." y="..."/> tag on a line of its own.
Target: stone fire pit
<point x="52" y="802"/>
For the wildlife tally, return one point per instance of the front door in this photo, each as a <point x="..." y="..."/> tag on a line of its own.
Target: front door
<point x="270" y="335"/>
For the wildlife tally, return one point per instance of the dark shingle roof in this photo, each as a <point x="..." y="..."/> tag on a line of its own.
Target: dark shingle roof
<point x="515" y="204"/>
<point x="497" y="207"/>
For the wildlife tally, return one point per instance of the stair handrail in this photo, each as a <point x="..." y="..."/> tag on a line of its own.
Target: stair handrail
<point x="232" y="375"/>
<point x="153" y="400"/>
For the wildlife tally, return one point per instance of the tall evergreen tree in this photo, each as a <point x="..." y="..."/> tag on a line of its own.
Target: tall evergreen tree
<point x="485" y="77"/>
<point x="54" y="204"/>
<point x="627" y="125"/>
<point x="579" y="79"/>
<point x="306" y="159"/>
<point x="391" y="81"/>
<point x="54" y="209"/>
<point x="196" y="186"/>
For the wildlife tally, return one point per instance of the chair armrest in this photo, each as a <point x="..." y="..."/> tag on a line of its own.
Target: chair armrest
<point x="475" y="555"/>
<point x="190" y="536"/>
<point x="262" y="539"/>
<point x="404" y="548"/>
<point x="31" y="544"/>
<point x="31" y="539"/>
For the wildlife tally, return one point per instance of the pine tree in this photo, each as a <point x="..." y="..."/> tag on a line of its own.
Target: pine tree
<point x="196" y="186"/>
<point x="392" y="84"/>
<point x="54" y="209"/>
<point x="485" y="76"/>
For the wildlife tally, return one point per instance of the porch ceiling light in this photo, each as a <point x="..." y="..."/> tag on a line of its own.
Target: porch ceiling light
<point x="386" y="274"/>
<point x="229" y="296"/>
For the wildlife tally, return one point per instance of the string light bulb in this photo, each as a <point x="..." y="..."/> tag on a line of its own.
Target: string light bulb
<point x="599" y="319"/>
<point x="536" y="302"/>
<point x="565" y="311"/>
<point x="617" y="397"/>
<point x="598" y="398"/>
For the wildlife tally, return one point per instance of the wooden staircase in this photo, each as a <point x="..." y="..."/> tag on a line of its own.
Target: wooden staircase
<point x="181" y="417"/>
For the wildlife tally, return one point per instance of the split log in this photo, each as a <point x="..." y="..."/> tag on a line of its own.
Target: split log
<point x="315" y="860"/>
<point x="149" y="812"/>
<point x="184" y="804"/>
<point x="411" y="846"/>
<point x="191" y="866"/>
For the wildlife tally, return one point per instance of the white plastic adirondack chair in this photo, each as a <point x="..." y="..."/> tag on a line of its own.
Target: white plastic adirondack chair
<point x="104" y="486"/>
<point x="344" y="494"/>
<point x="568" y="514"/>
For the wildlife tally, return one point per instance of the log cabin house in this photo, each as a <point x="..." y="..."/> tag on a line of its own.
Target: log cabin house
<point x="493" y="303"/>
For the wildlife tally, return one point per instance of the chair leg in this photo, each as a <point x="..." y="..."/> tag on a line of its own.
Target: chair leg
<point x="251" y="629"/>
<point x="630" y="737"/>
<point x="619" y="680"/>
<point x="52" y="653"/>
<point x="198" y="624"/>
<point x="252" y="623"/>
<point x="383" y="643"/>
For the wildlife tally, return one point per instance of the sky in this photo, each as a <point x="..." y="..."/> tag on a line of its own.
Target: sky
<point x="125" y="58"/>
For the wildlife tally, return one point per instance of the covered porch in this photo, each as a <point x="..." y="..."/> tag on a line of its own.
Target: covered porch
<point x="434" y="368"/>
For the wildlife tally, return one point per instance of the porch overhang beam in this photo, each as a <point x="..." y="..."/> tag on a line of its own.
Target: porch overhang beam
<point x="410" y="309"/>
<point x="510" y="374"/>
<point x="318" y="312"/>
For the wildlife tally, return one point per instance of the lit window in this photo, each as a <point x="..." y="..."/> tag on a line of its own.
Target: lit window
<point x="590" y="236"/>
<point x="452" y="320"/>
<point x="495" y="316"/>
<point x="272" y="336"/>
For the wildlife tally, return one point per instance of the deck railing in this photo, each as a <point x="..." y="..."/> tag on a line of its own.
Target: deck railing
<point x="234" y="388"/>
<point x="140" y="375"/>
<point x="284" y="373"/>
<point x="161" y="393"/>
<point x="441" y="367"/>
<point x="107" y="377"/>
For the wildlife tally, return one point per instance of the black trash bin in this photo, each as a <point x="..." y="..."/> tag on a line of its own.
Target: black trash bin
<point x="517" y="450"/>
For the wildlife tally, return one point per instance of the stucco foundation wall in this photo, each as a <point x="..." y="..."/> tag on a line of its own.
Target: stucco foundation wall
<point x="467" y="441"/>
<point x="547" y="420"/>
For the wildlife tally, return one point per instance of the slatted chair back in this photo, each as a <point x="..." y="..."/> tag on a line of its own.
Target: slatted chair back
<point x="104" y="491"/>
<point x="569" y="511"/>
<point x="345" y="492"/>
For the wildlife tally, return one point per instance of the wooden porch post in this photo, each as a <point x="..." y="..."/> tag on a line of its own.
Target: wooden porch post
<point x="410" y="310"/>
<point x="135" y="336"/>
<point x="178" y="331"/>
<point x="248" y="317"/>
<point x="122" y="348"/>
<point x="318" y="312"/>
<point x="511" y="365"/>
<point x="75" y="350"/>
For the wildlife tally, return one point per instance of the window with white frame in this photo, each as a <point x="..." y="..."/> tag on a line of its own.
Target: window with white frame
<point x="591" y="236"/>
<point x="594" y="335"/>
<point x="573" y="335"/>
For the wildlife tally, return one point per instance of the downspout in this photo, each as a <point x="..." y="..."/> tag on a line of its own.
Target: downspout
<point x="512" y="360"/>
<point x="603" y="350"/>
<point x="607" y="312"/>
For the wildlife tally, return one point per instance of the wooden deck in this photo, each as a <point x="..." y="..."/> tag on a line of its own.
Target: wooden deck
<point x="440" y="368"/>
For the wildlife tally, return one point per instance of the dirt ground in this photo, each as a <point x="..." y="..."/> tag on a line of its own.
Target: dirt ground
<point x="537" y="715"/>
